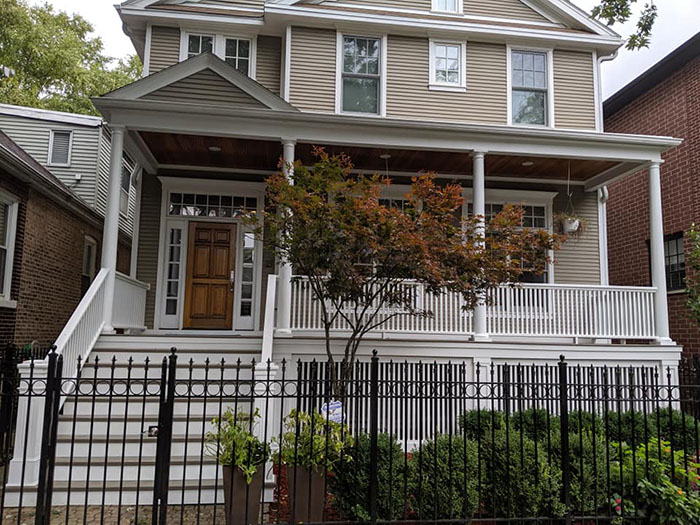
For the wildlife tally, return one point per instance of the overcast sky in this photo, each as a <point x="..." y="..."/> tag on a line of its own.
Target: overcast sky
<point x="678" y="21"/>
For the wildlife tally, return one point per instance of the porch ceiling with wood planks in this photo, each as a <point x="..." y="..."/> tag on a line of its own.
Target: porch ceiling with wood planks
<point x="233" y="153"/>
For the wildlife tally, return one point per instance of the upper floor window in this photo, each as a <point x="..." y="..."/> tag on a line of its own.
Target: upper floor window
<point x="8" y="230"/>
<point x="361" y="75"/>
<point x="128" y="167"/>
<point x="237" y="53"/>
<point x="675" y="262"/>
<point x="447" y="6"/>
<point x="198" y="44"/>
<point x="60" y="145"/>
<point x="447" y="65"/>
<point x="529" y="87"/>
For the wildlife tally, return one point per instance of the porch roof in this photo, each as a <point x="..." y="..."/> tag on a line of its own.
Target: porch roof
<point x="171" y="124"/>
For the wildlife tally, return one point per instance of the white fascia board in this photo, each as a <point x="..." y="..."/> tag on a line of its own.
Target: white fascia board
<point x="189" y="17"/>
<point x="375" y="132"/>
<point x="51" y="116"/>
<point x="302" y="14"/>
<point x="573" y="13"/>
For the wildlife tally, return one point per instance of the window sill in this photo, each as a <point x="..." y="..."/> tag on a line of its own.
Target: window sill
<point x="8" y="303"/>
<point x="444" y="87"/>
<point x="450" y="13"/>
<point x="359" y="114"/>
<point x="677" y="292"/>
<point x="50" y="165"/>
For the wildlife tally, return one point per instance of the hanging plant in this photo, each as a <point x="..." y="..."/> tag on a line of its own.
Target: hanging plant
<point x="567" y="222"/>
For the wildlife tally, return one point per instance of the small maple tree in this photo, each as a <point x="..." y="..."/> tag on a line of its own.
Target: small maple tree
<point x="357" y="254"/>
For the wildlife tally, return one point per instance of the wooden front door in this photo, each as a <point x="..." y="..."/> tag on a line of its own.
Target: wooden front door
<point x="211" y="257"/>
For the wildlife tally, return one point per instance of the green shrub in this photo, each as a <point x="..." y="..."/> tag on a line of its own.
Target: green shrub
<point x="443" y="478"/>
<point x="312" y="441"/>
<point x="350" y="485"/>
<point x="480" y="421"/>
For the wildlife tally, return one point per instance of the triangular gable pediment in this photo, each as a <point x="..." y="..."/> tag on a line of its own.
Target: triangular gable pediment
<point x="204" y="79"/>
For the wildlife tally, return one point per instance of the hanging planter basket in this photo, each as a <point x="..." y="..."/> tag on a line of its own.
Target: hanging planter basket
<point x="569" y="225"/>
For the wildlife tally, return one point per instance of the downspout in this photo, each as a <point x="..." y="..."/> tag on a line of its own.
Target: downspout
<point x="600" y="123"/>
<point x="603" y="235"/>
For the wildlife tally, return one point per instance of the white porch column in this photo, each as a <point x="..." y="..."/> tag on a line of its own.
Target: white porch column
<point x="110" y="235"/>
<point x="284" y="287"/>
<point x="479" y="205"/>
<point x="658" y="264"/>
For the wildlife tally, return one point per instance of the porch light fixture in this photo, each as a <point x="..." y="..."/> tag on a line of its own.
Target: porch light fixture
<point x="527" y="164"/>
<point x="215" y="149"/>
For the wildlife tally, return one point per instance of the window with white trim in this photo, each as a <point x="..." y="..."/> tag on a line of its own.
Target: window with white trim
<point x="447" y="64"/>
<point x="237" y="53"/>
<point x="198" y="44"/>
<point x="60" y="144"/>
<point x="247" y="275"/>
<point x="89" y="264"/>
<point x="529" y="97"/>
<point x="361" y="75"/>
<point x="447" y="6"/>
<point x="128" y="167"/>
<point x="8" y="230"/>
<point x="172" y="278"/>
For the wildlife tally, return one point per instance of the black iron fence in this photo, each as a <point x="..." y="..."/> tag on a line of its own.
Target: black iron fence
<point x="381" y="441"/>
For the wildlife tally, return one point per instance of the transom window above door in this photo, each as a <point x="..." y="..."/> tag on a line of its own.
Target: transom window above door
<point x="361" y="75"/>
<point x="201" y="205"/>
<point x="530" y="90"/>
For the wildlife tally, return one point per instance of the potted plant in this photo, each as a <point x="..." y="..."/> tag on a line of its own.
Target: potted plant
<point x="570" y="225"/>
<point x="243" y="458"/>
<point x="310" y="447"/>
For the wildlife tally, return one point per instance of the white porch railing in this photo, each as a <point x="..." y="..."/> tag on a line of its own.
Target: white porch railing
<point x="531" y="310"/>
<point x="84" y="327"/>
<point x="129" y="311"/>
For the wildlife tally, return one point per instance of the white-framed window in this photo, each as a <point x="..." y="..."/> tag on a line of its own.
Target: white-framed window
<point x="448" y="69"/>
<point x="9" y="207"/>
<point x="198" y="44"/>
<point x="237" y="50"/>
<point x="530" y="83"/>
<point x="128" y="168"/>
<point x="447" y="6"/>
<point x="60" y="147"/>
<point x="89" y="263"/>
<point x="237" y="53"/>
<point x="361" y="75"/>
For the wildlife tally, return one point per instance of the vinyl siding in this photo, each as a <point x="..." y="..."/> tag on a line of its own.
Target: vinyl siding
<point x="574" y="90"/>
<point x="205" y="87"/>
<point x="269" y="62"/>
<point x="514" y="9"/>
<point x="149" y="239"/>
<point x="34" y="136"/>
<point x="312" y="71"/>
<point x="578" y="260"/>
<point x="165" y="48"/>
<point x="408" y="76"/>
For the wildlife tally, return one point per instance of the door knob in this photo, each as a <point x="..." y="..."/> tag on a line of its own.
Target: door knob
<point x="232" y="279"/>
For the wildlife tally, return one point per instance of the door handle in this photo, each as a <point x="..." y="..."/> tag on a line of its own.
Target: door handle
<point x="232" y="279"/>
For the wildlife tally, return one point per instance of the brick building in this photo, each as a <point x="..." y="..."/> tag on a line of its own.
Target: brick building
<point x="665" y="100"/>
<point x="49" y="248"/>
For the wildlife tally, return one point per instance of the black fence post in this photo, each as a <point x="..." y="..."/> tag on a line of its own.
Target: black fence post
<point x="52" y="401"/>
<point x="165" y="439"/>
<point x="564" y="430"/>
<point x="373" y="434"/>
<point x="8" y="400"/>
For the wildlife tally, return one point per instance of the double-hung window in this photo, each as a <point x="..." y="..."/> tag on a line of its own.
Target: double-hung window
<point x="60" y="145"/>
<point x="447" y="65"/>
<point x="529" y="97"/>
<point x="198" y="44"/>
<point x="8" y="229"/>
<point x="675" y="262"/>
<point x="237" y="53"/>
<point x="128" y="166"/>
<point x="361" y="75"/>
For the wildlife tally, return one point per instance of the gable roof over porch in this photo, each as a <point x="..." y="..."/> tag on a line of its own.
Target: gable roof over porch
<point x="203" y="79"/>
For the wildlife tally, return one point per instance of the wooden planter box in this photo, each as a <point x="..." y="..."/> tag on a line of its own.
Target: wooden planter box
<point x="242" y="501"/>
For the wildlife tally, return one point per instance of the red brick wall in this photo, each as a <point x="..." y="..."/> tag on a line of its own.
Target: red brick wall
<point x="48" y="268"/>
<point x="671" y="108"/>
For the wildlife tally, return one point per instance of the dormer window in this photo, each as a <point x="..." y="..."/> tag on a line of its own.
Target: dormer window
<point x="447" y="6"/>
<point x="60" y="145"/>
<point x="198" y="44"/>
<point x="237" y="53"/>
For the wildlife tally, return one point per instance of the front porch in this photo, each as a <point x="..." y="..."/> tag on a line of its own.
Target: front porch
<point x="199" y="270"/>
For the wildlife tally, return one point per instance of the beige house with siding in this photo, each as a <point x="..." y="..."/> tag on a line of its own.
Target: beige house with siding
<point x="500" y="95"/>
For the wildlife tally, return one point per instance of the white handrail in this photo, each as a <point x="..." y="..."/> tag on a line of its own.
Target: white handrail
<point x="84" y="327"/>
<point x="530" y="310"/>
<point x="129" y="311"/>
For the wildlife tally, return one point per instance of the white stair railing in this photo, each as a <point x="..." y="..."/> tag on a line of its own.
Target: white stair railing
<point x="129" y="312"/>
<point x="84" y="327"/>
